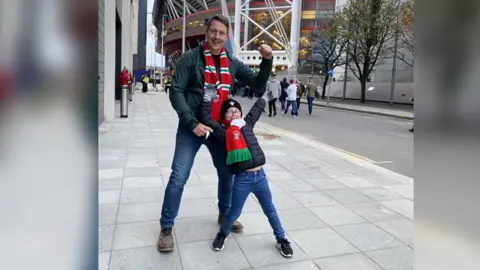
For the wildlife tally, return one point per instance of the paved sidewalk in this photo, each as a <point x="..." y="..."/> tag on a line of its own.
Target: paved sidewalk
<point x="370" y="108"/>
<point x="338" y="209"/>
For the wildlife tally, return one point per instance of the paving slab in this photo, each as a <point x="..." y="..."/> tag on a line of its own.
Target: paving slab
<point x="340" y="212"/>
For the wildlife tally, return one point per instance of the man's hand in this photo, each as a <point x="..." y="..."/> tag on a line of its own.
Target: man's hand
<point x="266" y="51"/>
<point x="201" y="130"/>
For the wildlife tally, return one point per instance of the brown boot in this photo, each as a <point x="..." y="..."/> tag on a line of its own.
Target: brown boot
<point x="237" y="227"/>
<point x="165" y="240"/>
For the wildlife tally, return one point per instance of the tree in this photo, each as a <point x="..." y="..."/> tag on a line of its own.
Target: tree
<point x="371" y="29"/>
<point x="405" y="31"/>
<point x="328" y="44"/>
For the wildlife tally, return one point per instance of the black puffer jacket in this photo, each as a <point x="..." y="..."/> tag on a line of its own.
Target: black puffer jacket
<point x="258" y="157"/>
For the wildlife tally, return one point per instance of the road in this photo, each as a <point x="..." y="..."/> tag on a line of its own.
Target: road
<point x="384" y="140"/>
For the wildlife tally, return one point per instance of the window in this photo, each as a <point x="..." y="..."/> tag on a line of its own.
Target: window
<point x="308" y="14"/>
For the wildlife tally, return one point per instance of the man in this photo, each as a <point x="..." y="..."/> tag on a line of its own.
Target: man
<point x="273" y="89"/>
<point x="311" y="90"/>
<point x="198" y="71"/>
<point x="292" y="91"/>
<point x="301" y="88"/>
<point x="168" y="84"/>
<point x="283" y="95"/>
<point x="145" y="81"/>
<point x="130" y="86"/>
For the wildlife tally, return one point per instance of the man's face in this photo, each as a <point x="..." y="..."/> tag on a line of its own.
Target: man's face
<point x="216" y="36"/>
<point x="233" y="113"/>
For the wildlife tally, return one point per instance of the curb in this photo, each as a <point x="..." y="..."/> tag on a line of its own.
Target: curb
<point x="350" y="157"/>
<point x="361" y="111"/>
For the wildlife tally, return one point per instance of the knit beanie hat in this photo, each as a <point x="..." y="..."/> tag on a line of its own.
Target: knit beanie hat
<point x="229" y="103"/>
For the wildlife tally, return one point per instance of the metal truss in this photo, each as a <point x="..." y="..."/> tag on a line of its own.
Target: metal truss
<point x="286" y="57"/>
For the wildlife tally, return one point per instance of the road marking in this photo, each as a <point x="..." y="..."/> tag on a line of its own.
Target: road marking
<point x="383" y="162"/>
<point x="353" y="158"/>
<point x="350" y="154"/>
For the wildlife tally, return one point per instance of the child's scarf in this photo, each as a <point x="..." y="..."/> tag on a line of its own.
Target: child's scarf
<point x="237" y="150"/>
<point x="211" y="80"/>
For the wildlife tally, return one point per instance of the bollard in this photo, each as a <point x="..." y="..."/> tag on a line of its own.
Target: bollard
<point x="124" y="102"/>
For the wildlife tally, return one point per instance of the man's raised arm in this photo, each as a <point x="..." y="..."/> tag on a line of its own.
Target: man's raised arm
<point x="258" y="81"/>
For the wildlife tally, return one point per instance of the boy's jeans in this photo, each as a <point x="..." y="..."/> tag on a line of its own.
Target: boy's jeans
<point x="294" y="107"/>
<point x="243" y="184"/>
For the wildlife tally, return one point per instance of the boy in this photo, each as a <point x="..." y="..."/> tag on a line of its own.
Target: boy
<point x="245" y="159"/>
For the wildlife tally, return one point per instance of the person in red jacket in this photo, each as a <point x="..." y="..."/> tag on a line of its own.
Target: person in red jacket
<point x="124" y="78"/>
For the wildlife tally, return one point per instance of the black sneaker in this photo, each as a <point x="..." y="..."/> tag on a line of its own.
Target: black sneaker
<point x="285" y="248"/>
<point x="219" y="242"/>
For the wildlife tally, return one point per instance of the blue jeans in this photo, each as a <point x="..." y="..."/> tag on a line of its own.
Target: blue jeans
<point x="243" y="184"/>
<point x="186" y="147"/>
<point x="294" y="107"/>
<point x="310" y="104"/>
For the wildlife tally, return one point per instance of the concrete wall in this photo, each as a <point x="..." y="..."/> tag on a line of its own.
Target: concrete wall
<point x="142" y="34"/>
<point x="134" y="26"/>
<point x="380" y="92"/>
<point x="106" y="49"/>
<point x="101" y="60"/>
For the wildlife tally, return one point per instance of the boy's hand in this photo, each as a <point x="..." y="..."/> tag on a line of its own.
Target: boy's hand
<point x="238" y="122"/>
<point x="267" y="97"/>
<point x="210" y="93"/>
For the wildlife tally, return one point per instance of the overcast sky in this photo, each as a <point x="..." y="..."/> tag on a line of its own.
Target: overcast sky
<point x="150" y="39"/>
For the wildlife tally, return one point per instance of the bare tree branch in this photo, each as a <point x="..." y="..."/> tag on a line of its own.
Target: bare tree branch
<point x="329" y="42"/>
<point x="372" y="26"/>
<point x="406" y="33"/>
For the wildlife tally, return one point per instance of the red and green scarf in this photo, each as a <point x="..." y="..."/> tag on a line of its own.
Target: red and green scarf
<point x="211" y="78"/>
<point x="237" y="150"/>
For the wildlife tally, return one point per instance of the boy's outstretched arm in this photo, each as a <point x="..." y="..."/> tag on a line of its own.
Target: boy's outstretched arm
<point x="256" y="111"/>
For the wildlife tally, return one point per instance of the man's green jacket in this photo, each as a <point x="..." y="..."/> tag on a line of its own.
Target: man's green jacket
<point x="186" y="93"/>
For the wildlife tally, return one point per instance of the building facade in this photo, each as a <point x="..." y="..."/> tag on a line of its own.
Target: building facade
<point x="312" y="12"/>
<point x="121" y="43"/>
<point x="197" y="14"/>
<point x="140" y="60"/>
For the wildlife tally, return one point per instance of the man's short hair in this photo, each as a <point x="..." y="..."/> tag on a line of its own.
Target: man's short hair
<point x="220" y="18"/>
<point x="291" y="80"/>
<point x="273" y="75"/>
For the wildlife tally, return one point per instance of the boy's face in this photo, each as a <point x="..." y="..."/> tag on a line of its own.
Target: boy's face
<point x="233" y="113"/>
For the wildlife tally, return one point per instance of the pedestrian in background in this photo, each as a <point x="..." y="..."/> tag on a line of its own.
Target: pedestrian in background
<point x="145" y="81"/>
<point x="241" y="88"/>
<point x="130" y="86"/>
<point x="283" y="95"/>
<point x="311" y="90"/>
<point x="299" y="96"/>
<point x="168" y="84"/>
<point x="291" y="98"/>
<point x="273" y="90"/>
